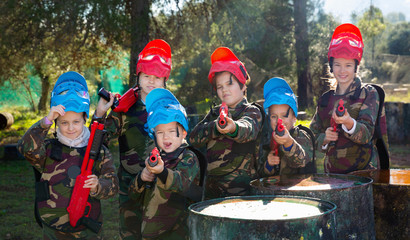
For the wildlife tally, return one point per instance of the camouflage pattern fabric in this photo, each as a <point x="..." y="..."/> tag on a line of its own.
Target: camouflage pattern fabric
<point x="52" y="234"/>
<point x="59" y="166"/>
<point x="134" y="145"/>
<point x="231" y="160"/>
<point x="291" y="161"/>
<point x="351" y="152"/>
<point x="164" y="205"/>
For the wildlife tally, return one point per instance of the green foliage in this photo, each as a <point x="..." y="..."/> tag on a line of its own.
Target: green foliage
<point x="371" y="24"/>
<point x="399" y="39"/>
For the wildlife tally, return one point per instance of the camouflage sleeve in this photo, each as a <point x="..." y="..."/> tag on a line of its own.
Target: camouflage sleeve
<point x="366" y="119"/>
<point x="108" y="180"/>
<point x="183" y="175"/>
<point x="111" y="125"/>
<point x="301" y="152"/>
<point x="318" y="130"/>
<point x="248" y="125"/>
<point x="203" y="131"/>
<point x="32" y="146"/>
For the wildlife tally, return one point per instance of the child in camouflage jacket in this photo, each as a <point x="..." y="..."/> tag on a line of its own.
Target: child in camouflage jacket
<point x="351" y="147"/>
<point x="153" y="70"/>
<point x="295" y="148"/>
<point x="59" y="161"/>
<point x="164" y="188"/>
<point x="231" y="151"/>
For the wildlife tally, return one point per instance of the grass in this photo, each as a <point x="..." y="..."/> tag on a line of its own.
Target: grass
<point x="17" y="204"/>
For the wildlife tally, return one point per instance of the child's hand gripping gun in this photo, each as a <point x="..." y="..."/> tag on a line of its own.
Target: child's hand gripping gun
<point x="79" y="197"/>
<point x="152" y="162"/>
<point x="340" y="111"/>
<point x="223" y="113"/>
<point x="121" y="103"/>
<point x="274" y="146"/>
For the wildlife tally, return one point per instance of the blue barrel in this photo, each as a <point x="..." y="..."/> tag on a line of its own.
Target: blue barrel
<point x="262" y="217"/>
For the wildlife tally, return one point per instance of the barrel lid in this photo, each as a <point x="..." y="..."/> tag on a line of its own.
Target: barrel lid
<point x="386" y="176"/>
<point x="311" y="182"/>
<point x="263" y="207"/>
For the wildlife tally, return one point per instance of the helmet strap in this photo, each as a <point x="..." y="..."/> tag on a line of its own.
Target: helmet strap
<point x="177" y="132"/>
<point x="287" y="113"/>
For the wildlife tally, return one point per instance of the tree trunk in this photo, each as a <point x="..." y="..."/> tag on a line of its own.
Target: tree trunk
<point x="139" y="33"/>
<point x="302" y="55"/>
<point x="45" y="91"/>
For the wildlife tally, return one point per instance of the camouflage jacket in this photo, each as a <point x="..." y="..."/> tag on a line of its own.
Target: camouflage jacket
<point x="165" y="202"/>
<point x="351" y="152"/>
<point x="129" y="129"/>
<point x="231" y="160"/>
<point x="300" y="154"/>
<point x="59" y="166"/>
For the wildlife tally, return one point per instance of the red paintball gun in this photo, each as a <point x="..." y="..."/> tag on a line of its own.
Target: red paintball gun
<point x="79" y="197"/>
<point x="152" y="161"/>
<point x="274" y="146"/>
<point x="223" y="113"/>
<point x="121" y="103"/>
<point x="280" y="129"/>
<point x="153" y="157"/>
<point x="340" y="111"/>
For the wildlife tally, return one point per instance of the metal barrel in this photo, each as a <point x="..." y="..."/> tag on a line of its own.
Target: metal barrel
<point x="352" y="195"/>
<point x="262" y="217"/>
<point x="6" y="120"/>
<point x="391" y="195"/>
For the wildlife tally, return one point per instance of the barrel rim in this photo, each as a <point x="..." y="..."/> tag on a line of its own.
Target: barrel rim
<point x="321" y="203"/>
<point x="365" y="181"/>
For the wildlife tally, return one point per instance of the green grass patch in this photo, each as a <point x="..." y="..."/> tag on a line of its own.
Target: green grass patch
<point x="17" y="204"/>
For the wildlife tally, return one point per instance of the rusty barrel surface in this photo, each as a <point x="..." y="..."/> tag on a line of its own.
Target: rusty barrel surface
<point x="391" y="194"/>
<point x="262" y="217"/>
<point x="352" y="195"/>
<point x="6" y="120"/>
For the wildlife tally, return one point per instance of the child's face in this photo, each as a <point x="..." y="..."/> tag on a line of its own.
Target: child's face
<point x="71" y="124"/>
<point x="149" y="82"/>
<point x="169" y="136"/>
<point x="343" y="70"/>
<point x="228" y="89"/>
<point x="284" y="112"/>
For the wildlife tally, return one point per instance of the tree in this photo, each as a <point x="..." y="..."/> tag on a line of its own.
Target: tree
<point x="399" y="40"/>
<point x="302" y="54"/>
<point x="53" y="37"/>
<point x="371" y="24"/>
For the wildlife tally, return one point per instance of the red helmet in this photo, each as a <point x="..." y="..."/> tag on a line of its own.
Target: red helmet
<point x="155" y="59"/>
<point x="346" y="43"/>
<point x="223" y="59"/>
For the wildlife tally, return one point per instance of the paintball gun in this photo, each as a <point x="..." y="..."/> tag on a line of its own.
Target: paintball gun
<point x="79" y="197"/>
<point x="121" y="103"/>
<point x="223" y="113"/>
<point x="274" y="146"/>
<point x="152" y="161"/>
<point x="340" y="111"/>
<point x="153" y="157"/>
<point x="280" y="129"/>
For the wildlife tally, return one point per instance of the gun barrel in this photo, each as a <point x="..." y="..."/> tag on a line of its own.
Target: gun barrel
<point x="340" y="111"/>
<point x="153" y="158"/>
<point x="106" y="96"/>
<point x="280" y="129"/>
<point x="223" y="113"/>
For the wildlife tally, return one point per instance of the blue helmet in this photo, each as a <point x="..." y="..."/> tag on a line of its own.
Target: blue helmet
<point x="163" y="107"/>
<point x="71" y="91"/>
<point x="277" y="91"/>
